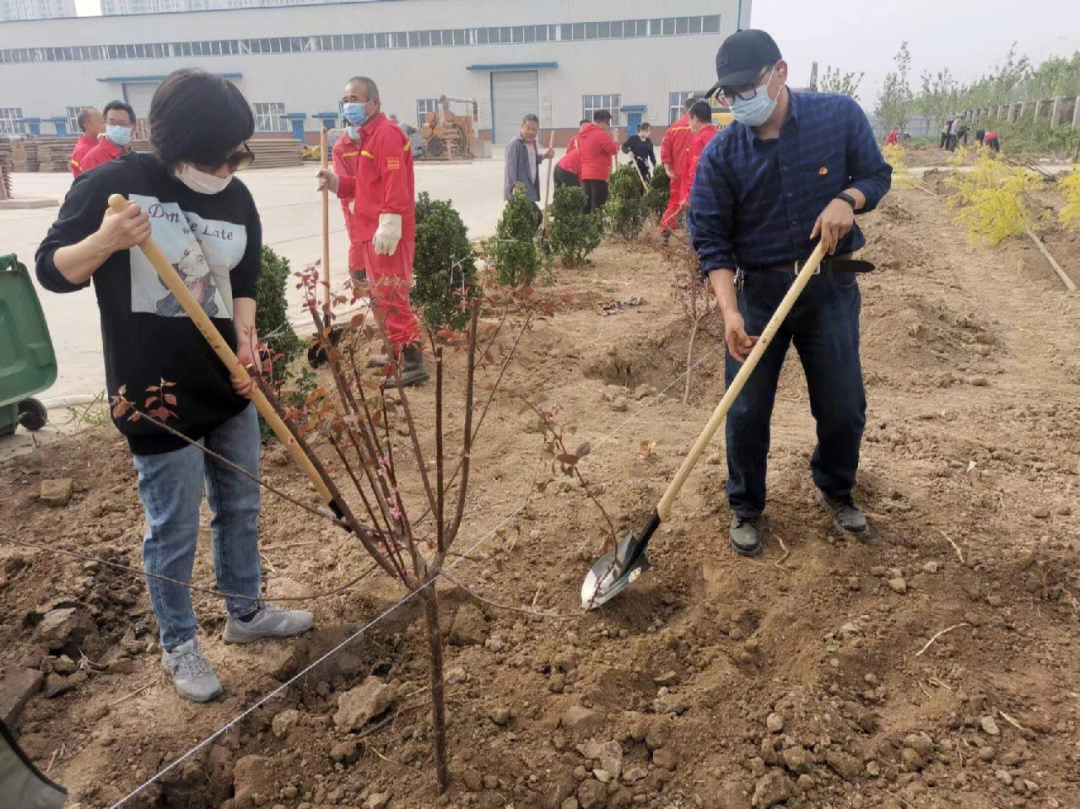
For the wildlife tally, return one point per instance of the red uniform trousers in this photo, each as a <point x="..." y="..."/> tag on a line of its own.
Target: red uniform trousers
<point x="389" y="281"/>
<point x="669" y="220"/>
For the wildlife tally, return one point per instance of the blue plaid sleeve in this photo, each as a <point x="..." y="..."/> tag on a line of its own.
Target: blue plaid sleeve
<point x="869" y="171"/>
<point x="711" y="214"/>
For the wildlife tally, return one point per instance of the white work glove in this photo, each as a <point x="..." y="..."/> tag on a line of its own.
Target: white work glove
<point x="388" y="234"/>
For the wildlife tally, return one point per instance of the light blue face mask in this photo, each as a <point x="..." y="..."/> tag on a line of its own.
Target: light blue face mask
<point x="352" y="132"/>
<point x="120" y="135"/>
<point x="755" y="111"/>
<point x="355" y="113"/>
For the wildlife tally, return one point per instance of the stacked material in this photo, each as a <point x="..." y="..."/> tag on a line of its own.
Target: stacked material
<point x="6" y="167"/>
<point x="54" y="154"/>
<point x="275" y="152"/>
<point x="24" y="154"/>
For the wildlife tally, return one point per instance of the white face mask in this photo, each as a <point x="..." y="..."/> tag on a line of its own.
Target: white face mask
<point x="201" y="182"/>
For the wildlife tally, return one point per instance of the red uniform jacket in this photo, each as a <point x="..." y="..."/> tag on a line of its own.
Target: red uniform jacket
<point x="691" y="157"/>
<point x="674" y="144"/>
<point x="105" y="152"/>
<point x="85" y="144"/>
<point x="346" y="162"/>
<point x="384" y="180"/>
<point x="597" y="148"/>
<point x="571" y="161"/>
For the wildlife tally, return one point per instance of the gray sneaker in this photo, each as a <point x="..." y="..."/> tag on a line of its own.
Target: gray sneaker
<point x="191" y="672"/>
<point x="847" y="516"/>
<point x="269" y="622"/>
<point x="745" y="535"/>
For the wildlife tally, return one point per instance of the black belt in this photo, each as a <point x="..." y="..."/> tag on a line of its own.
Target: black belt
<point x="829" y="264"/>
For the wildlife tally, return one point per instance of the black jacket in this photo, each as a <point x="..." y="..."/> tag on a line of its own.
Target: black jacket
<point x="643" y="152"/>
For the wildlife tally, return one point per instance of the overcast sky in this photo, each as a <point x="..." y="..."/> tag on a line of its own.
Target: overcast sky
<point x="967" y="36"/>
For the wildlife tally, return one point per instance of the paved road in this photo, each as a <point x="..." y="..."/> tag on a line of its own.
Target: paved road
<point x="290" y="212"/>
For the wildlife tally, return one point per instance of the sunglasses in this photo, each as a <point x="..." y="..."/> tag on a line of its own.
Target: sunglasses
<point x="241" y="159"/>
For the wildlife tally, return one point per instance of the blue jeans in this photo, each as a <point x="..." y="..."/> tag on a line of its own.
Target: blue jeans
<point x="171" y="488"/>
<point x="824" y="326"/>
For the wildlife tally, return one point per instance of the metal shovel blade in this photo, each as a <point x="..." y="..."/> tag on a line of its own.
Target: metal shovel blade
<point x="613" y="573"/>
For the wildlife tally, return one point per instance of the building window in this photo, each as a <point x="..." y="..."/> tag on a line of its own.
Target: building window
<point x="270" y="118"/>
<point x="710" y="24"/>
<point x="610" y="102"/>
<point x="423" y="107"/>
<point x="11" y="121"/>
<point x="675" y="105"/>
<point x="73" y="119"/>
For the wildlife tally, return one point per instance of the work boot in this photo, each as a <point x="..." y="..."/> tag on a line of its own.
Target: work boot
<point x="191" y="672"/>
<point x="847" y="516"/>
<point x="267" y="622"/>
<point x="413" y="370"/>
<point x="378" y="361"/>
<point x="745" y="535"/>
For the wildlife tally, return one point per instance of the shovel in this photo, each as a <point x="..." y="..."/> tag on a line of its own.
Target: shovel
<point x="620" y="568"/>
<point x="206" y="327"/>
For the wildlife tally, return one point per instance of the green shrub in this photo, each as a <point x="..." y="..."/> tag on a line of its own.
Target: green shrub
<point x="271" y="314"/>
<point x="624" y="212"/>
<point x="444" y="267"/>
<point x="574" y="233"/>
<point x="656" y="198"/>
<point x="512" y="251"/>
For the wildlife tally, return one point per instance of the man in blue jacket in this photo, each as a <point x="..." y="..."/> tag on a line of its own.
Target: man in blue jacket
<point x="523" y="157"/>
<point x="793" y="168"/>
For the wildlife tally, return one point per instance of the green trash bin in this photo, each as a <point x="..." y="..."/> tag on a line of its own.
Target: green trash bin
<point x="27" y="359"/>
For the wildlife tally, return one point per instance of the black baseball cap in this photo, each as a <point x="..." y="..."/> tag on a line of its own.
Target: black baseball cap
<point x="743" y="56"/>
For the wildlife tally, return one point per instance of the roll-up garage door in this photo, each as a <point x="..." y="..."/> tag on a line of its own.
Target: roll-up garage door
<point x="514" y="95"/>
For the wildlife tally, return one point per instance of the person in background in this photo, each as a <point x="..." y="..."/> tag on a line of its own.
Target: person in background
<point x="383" y="200"/>
<point x="980" y="135"/>
<point x="893" y="138"/>
<point x="346" y="163"/>
<point x="597" y="148"/>
<point x="702" y="126"/>
<point x="199" y="127"/>
<point x="568" y="169"/>
<point x="954" y="135"/>
<point x="990" y="141"/>
<point x="92" y="124"/>
<point x="672" y="148"/>
<point x="642" y="149"/>
<point x="119" y="125"/>
<point x="523" y="159"/>
<point x="792" y="169"/>
<point x="946" y="128"/>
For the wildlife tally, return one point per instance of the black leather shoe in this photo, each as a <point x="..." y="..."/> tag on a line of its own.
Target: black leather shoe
<point x="847" y="516"/>
<point x="745" y="536"/>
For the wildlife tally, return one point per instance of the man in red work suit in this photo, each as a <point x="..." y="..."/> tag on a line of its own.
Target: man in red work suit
<point x="702" y="126"/>
<point x="119" y="125"/>
<point x="568" y="169"/>
<point x="597" y="147"/>
<point x="383" y="204"/>
<point x="346" y="161"/>
<point x="672" y="149"/>
<point x="92" y="124"/>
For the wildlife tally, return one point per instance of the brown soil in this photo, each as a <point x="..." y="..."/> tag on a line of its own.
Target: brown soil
<point x="973" y="381"/>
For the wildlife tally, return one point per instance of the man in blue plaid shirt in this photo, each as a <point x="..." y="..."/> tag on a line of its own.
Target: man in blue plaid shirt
<point x="792" y="169"/>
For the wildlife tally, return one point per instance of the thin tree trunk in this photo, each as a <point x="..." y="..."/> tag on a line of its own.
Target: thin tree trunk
<point x="438" y="704"/>
<point x="689" y="359"/>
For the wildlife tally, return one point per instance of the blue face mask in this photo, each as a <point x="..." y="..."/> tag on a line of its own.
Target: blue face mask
<point x="755" y="111"/>
<point x="352" y="132"/>
<point x="120" y="135"/>
<point x="355" y="113"/>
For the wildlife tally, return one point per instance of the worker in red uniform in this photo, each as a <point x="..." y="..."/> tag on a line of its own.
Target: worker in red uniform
<point x="702" y="126"/>
<point x="119" y="126"/>
<point x="383" y="198"/>
<point x="597" y="148"/>
<point x="346" y="161"/>
<point x="672" y="148"/>
<point x="92" y="124"/>
<point x="568" y="169"/>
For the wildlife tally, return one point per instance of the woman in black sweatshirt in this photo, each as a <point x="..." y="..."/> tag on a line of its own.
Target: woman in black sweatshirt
<point x="205" y="221"/>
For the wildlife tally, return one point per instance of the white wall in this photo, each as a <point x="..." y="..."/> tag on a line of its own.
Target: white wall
<point x="642" y="70"/>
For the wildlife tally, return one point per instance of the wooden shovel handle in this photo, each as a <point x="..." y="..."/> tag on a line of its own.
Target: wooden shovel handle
<point x="325" y="224"/>
<point x="547" y="184"/>
<point x="206" y="327"/>
<point x="737" y="384"/>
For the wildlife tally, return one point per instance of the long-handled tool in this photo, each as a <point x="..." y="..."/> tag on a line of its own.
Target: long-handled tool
<point x="620" y="568"/>
<point x="325" y="228"/>
<point x="206" y="327"/>
<point x="547" y="185"/>
<point x="640" y="176"/>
